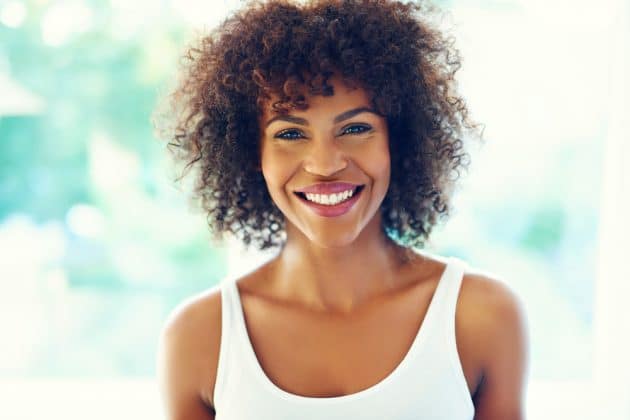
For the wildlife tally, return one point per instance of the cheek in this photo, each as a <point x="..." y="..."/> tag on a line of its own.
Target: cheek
<point x="380" y="162"/>
<point x="276" y="167"/>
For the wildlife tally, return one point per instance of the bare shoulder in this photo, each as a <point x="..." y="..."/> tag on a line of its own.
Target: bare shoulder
<point x="492" y="309"/>
<point x="496" y="316"/>
<point x="492" y="295"/>
<point x="188" y="355"/>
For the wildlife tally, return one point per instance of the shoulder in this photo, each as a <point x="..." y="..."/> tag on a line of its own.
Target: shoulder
<point x="495" y="305"/>
<point x="188" y="353"/>
<point x="194" y="311"/>
<point x="497" y="318"/>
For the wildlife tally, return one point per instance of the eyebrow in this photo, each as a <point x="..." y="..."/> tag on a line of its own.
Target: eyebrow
<point x="341" y="117"/>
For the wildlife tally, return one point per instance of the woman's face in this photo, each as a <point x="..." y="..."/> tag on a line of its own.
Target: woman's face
<point x="338" y="139"/>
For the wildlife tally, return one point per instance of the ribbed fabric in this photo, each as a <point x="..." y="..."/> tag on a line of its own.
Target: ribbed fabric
<point x="428" y="383"/>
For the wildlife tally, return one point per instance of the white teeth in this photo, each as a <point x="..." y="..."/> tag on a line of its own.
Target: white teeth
<point x="329" y="199"/>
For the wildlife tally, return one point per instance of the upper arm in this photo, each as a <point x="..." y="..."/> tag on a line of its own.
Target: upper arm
<point x="505" y="360"/>
<point x="187" y="359"/>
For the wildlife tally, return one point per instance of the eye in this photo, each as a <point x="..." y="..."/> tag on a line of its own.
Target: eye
<point x="356" y="129"/>
<point x="289" y="134"/>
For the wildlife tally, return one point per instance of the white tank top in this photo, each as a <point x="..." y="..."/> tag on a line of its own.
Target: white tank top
<point x="428" y="383"/>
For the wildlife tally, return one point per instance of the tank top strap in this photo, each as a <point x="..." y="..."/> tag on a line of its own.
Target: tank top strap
<point x="452" y="285"/>
<point x="228" y="319"/>
<point x="447" y="294"/>
<point x="443" y="298"/>
<point x="447" y="321"/>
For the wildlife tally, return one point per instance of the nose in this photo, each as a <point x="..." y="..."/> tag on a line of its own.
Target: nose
<point x="324" y="157"/>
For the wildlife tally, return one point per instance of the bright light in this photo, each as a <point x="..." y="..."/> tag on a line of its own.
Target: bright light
<point x="13" y="14"/>
<point x="17" y="100"/>
<point x="111" y="166"/>
<point x="56" y="280"/>
<point x="202" y="13"/>
<point x="62" y="20"/>
<point x="85" y="220"/>
<point x="27" y="248"/>
<point x="572" y="13"/>
<point x="129" y="17"/>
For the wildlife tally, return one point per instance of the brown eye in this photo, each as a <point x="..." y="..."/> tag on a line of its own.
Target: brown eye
<point x="289" y="134"/>
<point x="356" y="129"/>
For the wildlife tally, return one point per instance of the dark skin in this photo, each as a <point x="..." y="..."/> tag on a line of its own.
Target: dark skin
<point x="319" y="294"/>
<point x="321" y="251"/>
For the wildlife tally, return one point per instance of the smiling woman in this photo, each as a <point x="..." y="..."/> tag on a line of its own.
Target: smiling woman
<point x="338" y="134"/>
<point x="329" y="130"/>
<point x="266" y="58"/>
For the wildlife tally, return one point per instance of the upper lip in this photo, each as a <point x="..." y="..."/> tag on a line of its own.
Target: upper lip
<point x="328" y="188"/>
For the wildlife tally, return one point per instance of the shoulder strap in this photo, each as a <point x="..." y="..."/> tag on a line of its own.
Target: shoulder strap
<point x="453" y="285"/>
<point x="227" y="326"/>
<point x="450" y="307"/>
<point x="438" y="305"/>
<point x="446" y="296"/>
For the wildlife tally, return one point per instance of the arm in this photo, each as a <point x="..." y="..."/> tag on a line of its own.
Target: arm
<point x="186" y="361"/>
<point x="501" y="392"/>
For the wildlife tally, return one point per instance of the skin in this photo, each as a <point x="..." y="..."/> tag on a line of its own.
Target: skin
<point x="322" y="264"/>
<point x="318" y="294"/>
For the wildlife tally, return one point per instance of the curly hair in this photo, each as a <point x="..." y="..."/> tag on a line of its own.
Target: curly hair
<point x="283" y="48"/>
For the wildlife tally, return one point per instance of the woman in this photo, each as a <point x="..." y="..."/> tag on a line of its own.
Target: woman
<point x="330" y="131"/>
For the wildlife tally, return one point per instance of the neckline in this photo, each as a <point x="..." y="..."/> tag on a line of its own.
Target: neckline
<point x="415" y="346"/>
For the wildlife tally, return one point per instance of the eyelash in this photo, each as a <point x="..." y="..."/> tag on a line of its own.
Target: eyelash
<point x="365" y="128"/>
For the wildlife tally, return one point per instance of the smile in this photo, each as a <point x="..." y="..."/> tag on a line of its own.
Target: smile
<point x="331" y="205"/>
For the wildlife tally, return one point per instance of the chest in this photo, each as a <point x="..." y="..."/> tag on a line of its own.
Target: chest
<point x="325" y="356"/>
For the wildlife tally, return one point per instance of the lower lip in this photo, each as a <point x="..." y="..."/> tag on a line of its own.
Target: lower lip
<point x="335" y="210"/>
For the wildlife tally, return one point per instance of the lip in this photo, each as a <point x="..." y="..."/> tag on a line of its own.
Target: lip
<point x="328" y="188"/>
<point x="337" y="209"/>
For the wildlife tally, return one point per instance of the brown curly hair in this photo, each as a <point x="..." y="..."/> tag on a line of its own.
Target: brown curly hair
<point x="281" y="48"/>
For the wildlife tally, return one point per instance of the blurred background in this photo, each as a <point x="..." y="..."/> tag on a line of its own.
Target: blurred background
<point x="98" y="244"/>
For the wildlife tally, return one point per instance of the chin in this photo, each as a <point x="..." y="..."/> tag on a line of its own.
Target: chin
<point x="332" y="241"/>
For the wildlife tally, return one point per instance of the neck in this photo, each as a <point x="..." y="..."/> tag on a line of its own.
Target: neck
<point x="339" y="279"/>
